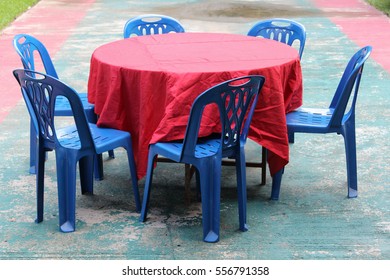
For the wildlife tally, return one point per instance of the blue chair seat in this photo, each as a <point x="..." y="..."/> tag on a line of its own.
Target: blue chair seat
<point x="62" y="107"/>
<point x="103" y="138"/>
<point x="173" y="150"/>
<point x="310" y="119"/>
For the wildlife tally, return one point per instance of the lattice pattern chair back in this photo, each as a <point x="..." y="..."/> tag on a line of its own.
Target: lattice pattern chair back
<point x="151" y="24"/>
<point x="282" y="30"/>
<point x="41" y="93"/>
<point x="233" y="101"/>
<point x="27" y="47"/>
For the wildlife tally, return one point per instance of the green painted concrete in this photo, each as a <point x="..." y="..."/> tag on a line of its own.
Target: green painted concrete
<point x="313" y="219"/>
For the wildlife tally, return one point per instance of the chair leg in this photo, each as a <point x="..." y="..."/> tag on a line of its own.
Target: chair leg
<point x="33" y="149"/>
<point x="264" y="155"/>
<point x="291" y="137"/>
<point x="197" y="177"/>
<point x="86" y="165"/>
<point x="148" y="184"/>
<point x="350" y="152"/>
<point x="276" y="182"/>
<point x="210" y="185"/>
<point x="66" y="182"/>
<point x="40" y="178"/>
<point x="134" y="178"/>
<point x="241" y="189"/>
<point x="111" y="154"/>
<point x="189" y="171"/>
<point x="98" y="162"/>
<point x="98" y="167"/>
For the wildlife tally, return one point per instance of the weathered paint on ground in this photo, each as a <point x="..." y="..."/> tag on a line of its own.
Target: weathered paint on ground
<point x="313" y="218"/>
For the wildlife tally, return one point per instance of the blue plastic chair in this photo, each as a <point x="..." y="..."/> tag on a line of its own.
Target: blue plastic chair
<point x="339" y="117"/>
<point x="151" y="24"/>
<point x="232" y="99"/>
<point x="283" y="30"/>
<point x="27" y="46"/>
<point x="78" y="143"/>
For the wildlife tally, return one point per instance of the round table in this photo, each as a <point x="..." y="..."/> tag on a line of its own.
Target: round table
<point x="146" y="85"/>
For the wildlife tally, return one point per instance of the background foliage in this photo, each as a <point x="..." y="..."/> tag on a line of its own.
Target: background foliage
<point x="10" y="9"/>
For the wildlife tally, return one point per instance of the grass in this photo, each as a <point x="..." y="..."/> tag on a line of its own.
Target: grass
<point x="11" y="9"/>
<point x="382" y="5"/>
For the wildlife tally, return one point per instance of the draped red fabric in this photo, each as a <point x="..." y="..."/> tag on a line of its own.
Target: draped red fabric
<point x="146" y="85"/>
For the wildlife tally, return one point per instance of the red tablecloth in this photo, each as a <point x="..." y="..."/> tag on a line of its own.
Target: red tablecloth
<point x="146" y="85"/>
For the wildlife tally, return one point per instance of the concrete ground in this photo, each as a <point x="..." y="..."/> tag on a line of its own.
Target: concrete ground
<point x="313" y="219"/>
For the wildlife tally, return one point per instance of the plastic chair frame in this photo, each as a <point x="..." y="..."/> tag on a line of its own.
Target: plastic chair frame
<point x="283" y="30"/>
<point x="339" y="117"/>
<point x="27" y="46"/>
<point x="150" y="24"/>
<point x="74" y="144"/>
<point x="235" y="99"/>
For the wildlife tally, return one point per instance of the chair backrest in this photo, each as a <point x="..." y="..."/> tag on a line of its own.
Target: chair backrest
<point x="283" y="30"/>
<point x="151" y="24"/>
<point x="233" y="99"/>
<point x="31" y="52"/>
<point x="40" y="92"/>
<point x="349" y="82"/>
